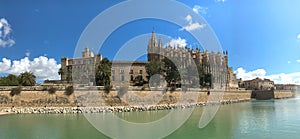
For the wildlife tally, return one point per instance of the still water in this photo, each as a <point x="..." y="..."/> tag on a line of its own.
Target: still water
<point x="255" y="119"/>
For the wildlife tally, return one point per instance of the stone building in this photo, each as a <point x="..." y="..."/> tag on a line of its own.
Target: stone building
<point x="258" y="84"/>
<point x="292" y="87"/>
<point x="125" y="72"/>
<point x="211" y="62"/>
<point x="84" y="66"/>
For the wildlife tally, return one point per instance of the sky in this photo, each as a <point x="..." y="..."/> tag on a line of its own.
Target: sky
<point x="261" y="37"/>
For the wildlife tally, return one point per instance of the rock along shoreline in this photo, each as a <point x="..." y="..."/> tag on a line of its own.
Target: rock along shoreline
<point x="107" y="109"/>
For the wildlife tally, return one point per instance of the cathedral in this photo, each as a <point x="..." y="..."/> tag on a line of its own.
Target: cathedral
<point x="211" y="62"/>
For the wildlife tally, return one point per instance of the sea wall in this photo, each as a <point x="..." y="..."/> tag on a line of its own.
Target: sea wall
<point x="271" y="94"/>
<point x="42" y="102"/>
<point x="278" y="94"/>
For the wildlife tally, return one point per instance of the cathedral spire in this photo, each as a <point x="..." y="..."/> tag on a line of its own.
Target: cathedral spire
<point x="153" y="39"/>
<point x="160" y="43"/>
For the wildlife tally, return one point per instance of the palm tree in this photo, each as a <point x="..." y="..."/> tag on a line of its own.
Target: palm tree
<point x="27" y="79"/>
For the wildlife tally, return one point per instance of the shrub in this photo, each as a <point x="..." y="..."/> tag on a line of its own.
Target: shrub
<point x="107" y="89"/>
<point x="15" y="91"/>
<point x="173" y="88"/>
<point x="69" y="90"/>
<point x="52" y="90"/>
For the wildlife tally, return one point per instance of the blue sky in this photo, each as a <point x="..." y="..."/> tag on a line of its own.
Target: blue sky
<point x="262" y="37"/>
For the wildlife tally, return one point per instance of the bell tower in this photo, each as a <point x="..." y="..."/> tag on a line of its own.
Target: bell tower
<point x="152" y="48"/>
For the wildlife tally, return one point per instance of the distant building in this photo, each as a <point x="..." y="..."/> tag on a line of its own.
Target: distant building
<point x="258" y="84"/>
<point x="292" y="87"/>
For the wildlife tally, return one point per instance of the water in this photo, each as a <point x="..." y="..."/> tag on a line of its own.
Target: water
<point x="256" y="119"/>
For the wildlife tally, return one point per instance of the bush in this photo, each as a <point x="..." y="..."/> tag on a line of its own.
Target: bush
<point x="69" y="90"/>
<point x="173" y="88"/>
<point x="107" y="89"/>
<point x="15" y="91"/>
<point x="52" y="90"/>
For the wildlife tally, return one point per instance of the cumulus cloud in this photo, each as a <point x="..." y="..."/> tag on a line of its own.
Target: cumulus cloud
<point x="192" y="25"/>
<point x="5" y="31"/>
<point x="5" y="65"/>
<point x="298" y="60"/>
<point x="282" y="78"/>
<point x="179" y="42"/>
<point x="42" y="67"/>
<point x="200" y="10"/>
<point x="298" y="36"/>
<point x="242" y="73"/>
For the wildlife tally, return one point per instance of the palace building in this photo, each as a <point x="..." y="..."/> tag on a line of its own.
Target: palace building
<point x="124" y="72"/>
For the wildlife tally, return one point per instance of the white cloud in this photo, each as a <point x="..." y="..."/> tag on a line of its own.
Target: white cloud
<point x="298" y="36"/>
<point x="242" y="73"/>
<point x="298" y="60"/>
<point x="27" y="54"/>
<point x="282" y="78"/>
<point x="177" y="42"/>
<point x="5" y="31"/>
<point x="200" y="10"/>
<point x="192" y="26"/>
<point x="5" y="65"/>
<point x="42" y="67"/>
<point x="220" y="0"/>
<point x="289" y="62"/>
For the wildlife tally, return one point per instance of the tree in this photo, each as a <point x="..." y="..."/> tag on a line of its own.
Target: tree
<point x="153" y="68"/>
<point x="103" y="73"/>
<point x="27" y="79"/>
<point x="172" y="74"/>
<point x="60" y="71"/>
<point x="10" y="80"/>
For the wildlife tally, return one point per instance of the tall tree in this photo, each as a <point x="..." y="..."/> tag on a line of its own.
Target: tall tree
<point x="103" y="73"/>
<point x="27" y="79"/>
<point x="172" y="73"/>
<point x="153" y="68"/>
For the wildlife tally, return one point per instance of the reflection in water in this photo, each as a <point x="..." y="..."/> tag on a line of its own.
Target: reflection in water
<point x="256" y="119"/>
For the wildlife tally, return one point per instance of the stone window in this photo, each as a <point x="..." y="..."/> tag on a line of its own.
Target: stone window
<point x="121" y="70"/>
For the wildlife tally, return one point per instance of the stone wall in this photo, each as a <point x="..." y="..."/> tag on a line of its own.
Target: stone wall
<point x="283" y="94"/>
<point x="42" y="98"/>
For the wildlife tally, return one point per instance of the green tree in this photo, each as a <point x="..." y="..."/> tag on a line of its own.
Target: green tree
<point x="172" y="73"/>
<point x="153" y="68"/>
<point x="27" y="79"/>
<point x="10" y="80"/>
<point x="60" y="71"/>
<point x="103" y="73"/>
